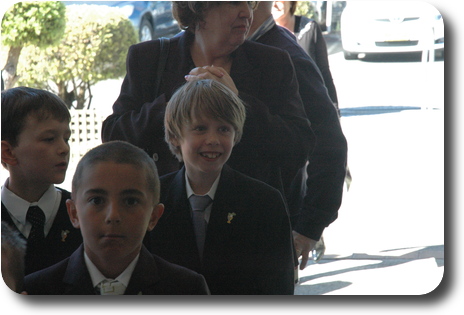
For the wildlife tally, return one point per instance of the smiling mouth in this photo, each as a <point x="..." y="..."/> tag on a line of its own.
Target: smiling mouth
<point x="211" y="155"/>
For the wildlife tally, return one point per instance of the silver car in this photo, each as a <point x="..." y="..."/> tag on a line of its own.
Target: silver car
<point x="389" y="27"/>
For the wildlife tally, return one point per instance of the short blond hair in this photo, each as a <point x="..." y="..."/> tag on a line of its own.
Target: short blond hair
<point x="203" y="97"/>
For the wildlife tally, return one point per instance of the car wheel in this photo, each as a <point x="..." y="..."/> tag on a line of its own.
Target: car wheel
<point x="146" y="30"/>
<point x="349" y="55"/>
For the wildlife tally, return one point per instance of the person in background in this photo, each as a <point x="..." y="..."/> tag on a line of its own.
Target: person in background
<point x="309" y="36"/>
<point x="115" y="201"/>
<point x="13" y="252"/>
<point x="317" y="190"/>
<point x="277" y="136"/>
<point x="35" y="151"/>
<point x="246" y="242"/>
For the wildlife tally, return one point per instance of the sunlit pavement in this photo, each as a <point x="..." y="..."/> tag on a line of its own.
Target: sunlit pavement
<point x="389" y="237"/>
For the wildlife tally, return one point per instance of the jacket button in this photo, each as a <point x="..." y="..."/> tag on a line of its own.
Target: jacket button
<point x="155" y="157"/>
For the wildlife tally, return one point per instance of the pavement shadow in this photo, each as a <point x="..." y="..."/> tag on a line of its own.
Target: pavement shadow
<point x="322" y="288"/>
<point x="436" y="252"/>
<point x="374" y="110"/>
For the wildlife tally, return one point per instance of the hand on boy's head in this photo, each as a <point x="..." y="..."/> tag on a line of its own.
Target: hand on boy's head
<point x="213" y="73"/>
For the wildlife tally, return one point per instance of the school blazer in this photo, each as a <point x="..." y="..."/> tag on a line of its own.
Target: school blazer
<point x="62" y="240"/>
<point x="152" y="275"/>
<point x="248" y="247"/>
<point x="276" y="130"/>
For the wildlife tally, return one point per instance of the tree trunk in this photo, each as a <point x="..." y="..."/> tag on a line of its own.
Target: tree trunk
<point x="9" y="75"/>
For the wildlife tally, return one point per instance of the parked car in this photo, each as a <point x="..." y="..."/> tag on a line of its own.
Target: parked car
<point x="390" y="26"/>
<point x="151" y="19"/>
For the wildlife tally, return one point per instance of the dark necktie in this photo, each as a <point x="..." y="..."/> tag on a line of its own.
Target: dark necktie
<point x="199" y="204"/>
<point x="36" y="217"/>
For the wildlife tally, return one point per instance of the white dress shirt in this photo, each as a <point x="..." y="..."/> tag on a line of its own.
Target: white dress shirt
<point x="211" y="193"/>
<point x="17" y="208"/>
<point x="98" y="277"/>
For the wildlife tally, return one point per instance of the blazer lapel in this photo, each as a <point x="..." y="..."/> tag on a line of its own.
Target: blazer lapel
<point x="77" y="278"/>
<point x="177" y="224"/>
<point x="145" y="275"/>
<point x="224" y="210"/>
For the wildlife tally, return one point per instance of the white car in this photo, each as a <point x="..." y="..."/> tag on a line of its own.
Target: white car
<point x="390" y="26"/>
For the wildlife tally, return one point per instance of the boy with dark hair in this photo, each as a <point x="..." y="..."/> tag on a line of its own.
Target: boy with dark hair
<point x="240" y="239"/>
<point x="35" y="151"/>
<point x="115" y="201"/>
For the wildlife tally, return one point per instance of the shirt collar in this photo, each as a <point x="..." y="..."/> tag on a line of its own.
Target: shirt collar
<point x="98" y="277"/>
<point x="18" y="207"/>
<point x="211" y="193"/>
<point x="263" y="29"/>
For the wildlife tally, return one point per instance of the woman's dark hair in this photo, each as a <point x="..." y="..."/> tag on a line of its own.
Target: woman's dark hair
<point x="293" y="5"/>
<point x="189" y="13"/>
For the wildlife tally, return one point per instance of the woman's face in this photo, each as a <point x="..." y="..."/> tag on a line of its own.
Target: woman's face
<point x="280" y="9"/>
<point x="227" y="23"/>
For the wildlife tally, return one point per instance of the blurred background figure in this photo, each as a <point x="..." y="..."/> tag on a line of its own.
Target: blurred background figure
<point x="13" y="252"/>
<point x="309" y="35"/>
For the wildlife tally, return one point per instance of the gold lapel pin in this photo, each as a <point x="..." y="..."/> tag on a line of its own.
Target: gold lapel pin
<point x="230" y="216"/>
<point x="64" y="235"/>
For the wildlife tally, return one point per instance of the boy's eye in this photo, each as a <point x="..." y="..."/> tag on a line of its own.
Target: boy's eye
<point x="199" y="128"/>
<point x="97" y="201"/>
<point x="131" y="201"/>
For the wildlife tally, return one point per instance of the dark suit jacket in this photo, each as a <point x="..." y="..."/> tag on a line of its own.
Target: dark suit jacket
<point x="313" y="43"/>
<point x="250" y="253"/>
<point x="314" y="205"/>
<point x="152" y="275"/>
<point x="276" y="129"/>
<point x="62" y="240"/>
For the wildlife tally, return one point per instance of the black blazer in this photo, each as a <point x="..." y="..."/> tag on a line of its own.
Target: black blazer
<point x="152" y="275"/>
<point x="62" y="240"/>
<point x="314" y="205"/>
<point x="276" y="131"/>
<point x="248" y="247"/>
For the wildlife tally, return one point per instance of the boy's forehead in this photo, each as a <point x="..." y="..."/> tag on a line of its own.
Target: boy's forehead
<point x="106" y="175"/>
<point x="37" y="119"/>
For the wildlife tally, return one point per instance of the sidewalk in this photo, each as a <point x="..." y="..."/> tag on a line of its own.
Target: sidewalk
<point x="397" y="272"/>
<point x="390" y="234"/>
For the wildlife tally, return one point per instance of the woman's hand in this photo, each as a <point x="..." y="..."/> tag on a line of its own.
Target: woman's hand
<point x="213" y="73"/>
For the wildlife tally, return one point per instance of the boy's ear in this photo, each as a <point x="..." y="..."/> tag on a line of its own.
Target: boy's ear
<point x="72" y="212"/>
<point x="155" y="216"/>
<point x="8" y="156"/>
<point x="175" y="142"/>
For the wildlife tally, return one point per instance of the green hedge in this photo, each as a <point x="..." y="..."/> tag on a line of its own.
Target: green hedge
<point x="94" y="48"/>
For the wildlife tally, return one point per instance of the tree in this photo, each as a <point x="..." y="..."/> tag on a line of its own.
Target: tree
<point x="306" y="8"/>
<point x="40" y="24"/>
<point x="93" y="49"/>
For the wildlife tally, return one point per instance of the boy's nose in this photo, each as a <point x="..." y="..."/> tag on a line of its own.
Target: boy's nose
<point x="64" y="148"/>
<point x="212" y="139"/>
<point x="113" y="214"/>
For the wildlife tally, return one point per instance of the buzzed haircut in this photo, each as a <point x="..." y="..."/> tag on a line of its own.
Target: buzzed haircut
<point x="120" y="152"/>
<point x="20" y="102"/>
